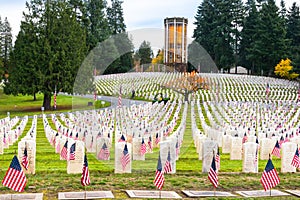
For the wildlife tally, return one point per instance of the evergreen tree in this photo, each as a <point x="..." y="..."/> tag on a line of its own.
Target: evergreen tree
<point x="5" y="46"/>
<point x="237" y="12"/>
<point x="50" y="47"/>
<point x="293" y="34"/>
<point x="145" y="53"/>
<point x="122" y="41"/>
<point x="115" y="17"/>
<point x="270" y="44"/>
<point x="98" y="29"/>
<point x="249" y="35"/>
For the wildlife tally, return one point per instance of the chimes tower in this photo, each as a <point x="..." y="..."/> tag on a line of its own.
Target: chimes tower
<point x="175" y="54"/>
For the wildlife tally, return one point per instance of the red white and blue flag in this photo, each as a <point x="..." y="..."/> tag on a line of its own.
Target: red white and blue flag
<point x="104" y="152"/>
<point x="143" y="148"/>
<point x="296" y="160"/>
<point x="276" y="150"/>
<point x="269" y="178"/>
<point x="72" y="152"/>
<point x="85" y="177"/>
<point x="168" y="167"/>
<point x="125" y="158"/>
<point x="212" y="174"/>
<point x="25" y="161"/>
<point x="15" y="178"/>
<point x="159" y="179"/>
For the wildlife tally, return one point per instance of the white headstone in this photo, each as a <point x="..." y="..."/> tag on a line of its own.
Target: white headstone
<point x="119" y="148"/>
<point x="266" y="147"/>
<point x="75" y="166"/>
<point x="209" y="147"/>
<point x="136" y="149"/>
<point x="226" y="143"/>
<point x="100" y="155"/>
<point x="31" y="153"/>
<point x="288" y="152"/>
<point x="166" y="147"/>
<point x="250" y="157"/>
<point x="236" y="148"/>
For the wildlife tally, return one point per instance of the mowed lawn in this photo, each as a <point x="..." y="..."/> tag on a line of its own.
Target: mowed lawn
<point x="25" y="105"/>
<point x="51" y="175"/>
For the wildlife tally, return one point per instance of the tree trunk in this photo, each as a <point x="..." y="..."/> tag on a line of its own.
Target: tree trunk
<point x="47" y="101"/>
<point x="34" y="96"/>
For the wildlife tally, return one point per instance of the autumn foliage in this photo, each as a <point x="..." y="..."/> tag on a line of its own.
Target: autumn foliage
<point x="284" y="69"/>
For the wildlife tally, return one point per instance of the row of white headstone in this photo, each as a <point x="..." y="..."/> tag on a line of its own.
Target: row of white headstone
<point x="29" y="141"/>
<point x="9" y="135"/>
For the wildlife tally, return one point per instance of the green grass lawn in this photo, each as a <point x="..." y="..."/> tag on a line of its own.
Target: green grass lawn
<point x="25" y="105"/>
<point x="51" y="175"/>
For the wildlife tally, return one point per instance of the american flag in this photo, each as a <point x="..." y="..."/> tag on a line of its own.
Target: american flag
<point x="15" y="178"/>
<point x="212" y="174"/>
<point x="150" y="143"/>
<point x="268" y="90"/>
<point x="143" y="148"/>
<point x="276" y="150"/>
<point x="76" y="136"/>
<point x="64" y="151"/>
<point x="245" y="138"/>
<point x="177" y="149"/>
<point x="72" y="152"/>
<point x="122" y="139"/>
<point x="4" y="138"/>
<point x="104" y="152"/>
<point x="125" y="158"/>
<point x="157" y="139"/>
<point x="218" y="160"/>
<point x="256" y="157"/>
<point x="92" y="142"/>
<point x="25" y="161"/>
<point x="159" y="179"/>
<point x="269" y="178"/>
<point x="281" y="141"/>
<point x="95" y="92"/>
<point x="85" y="177"/>
<point x="120" y="97"/>
<point x="168" y="167"/>
<point x="54" y="99"/>
<point x="296" y="160"/>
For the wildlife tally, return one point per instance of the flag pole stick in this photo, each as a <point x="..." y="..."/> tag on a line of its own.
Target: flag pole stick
<point x="270" y="191"/>
<point x="84" y="192"/>
<point x="160" y="193"/>
<point x="214" y="191"/>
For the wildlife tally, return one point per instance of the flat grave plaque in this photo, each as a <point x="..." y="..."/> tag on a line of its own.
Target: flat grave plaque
<point x="87" y="195"/>
<point x="207" y="194"/>
<point x="294" y="192"/>
<point x="29" y="196"/>
<point x="261" y="193"/>
<point x="152" y="194"/>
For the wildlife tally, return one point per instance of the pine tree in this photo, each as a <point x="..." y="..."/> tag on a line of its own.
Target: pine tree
<point x="50" y="47"/>
<point x="98" y="29"/>
<point x="123" y="43"/>
<point x="270" y="44"/>
<point x="145" y="53"/>
<point x="293" y="34"/>
<point x="249" y="35"/>
<point x="5" y="45"/>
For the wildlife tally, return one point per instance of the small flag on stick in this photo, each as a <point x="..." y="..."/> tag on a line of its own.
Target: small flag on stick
<point x="15" y="178"/>
<point x="269" y="178"/>
<point x="159" y="175"/>
<point x="85" y="177"/>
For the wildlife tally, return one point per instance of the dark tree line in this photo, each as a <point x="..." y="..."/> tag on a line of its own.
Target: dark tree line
<point x="54" y="39"/>
<point x="255" y="34"/>
<point x="5" y="47"/>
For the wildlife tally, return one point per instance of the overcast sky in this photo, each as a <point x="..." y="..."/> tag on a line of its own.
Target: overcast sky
<point x="137" y="13"/>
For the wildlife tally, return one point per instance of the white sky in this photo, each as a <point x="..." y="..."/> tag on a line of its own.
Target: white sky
<point x="137" y="13"/>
